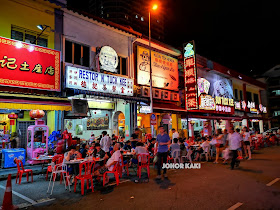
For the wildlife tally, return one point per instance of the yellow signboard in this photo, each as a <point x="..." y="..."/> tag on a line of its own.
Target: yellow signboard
<point x="100" y="105"/>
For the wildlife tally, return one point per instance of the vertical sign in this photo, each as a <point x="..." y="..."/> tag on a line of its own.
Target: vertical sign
<point x="190" y="76"/>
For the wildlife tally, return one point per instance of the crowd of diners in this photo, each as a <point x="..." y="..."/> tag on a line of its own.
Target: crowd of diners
<point x="163" y="148"/>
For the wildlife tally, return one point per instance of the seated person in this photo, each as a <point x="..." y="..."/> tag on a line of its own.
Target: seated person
<point x="183" y="148"/>
<point x="109" y="166"/>
<point x="72" y="154"/>
<point x="199" y="150"/>
<point x="83" y="150"/>
<point x="152" y="145"/>
<point x="140" y="149"/>
<point x="174" y="146"/>
<point x="127" y="145"/>
<point x="91" y="149"/>
<point x="98" y="152"/>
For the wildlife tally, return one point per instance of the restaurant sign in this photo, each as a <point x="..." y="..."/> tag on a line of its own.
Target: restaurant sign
<point x="164" y="69"/>
<point x="250" y="106"/>
<point x="190" y="76"/>
<point x="29" y="66"/>
<point x="108" y="59"/>
<point x="82" y="79"/>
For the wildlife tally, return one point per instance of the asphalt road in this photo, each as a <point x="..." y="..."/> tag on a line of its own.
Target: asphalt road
<point x="214" y="186"/>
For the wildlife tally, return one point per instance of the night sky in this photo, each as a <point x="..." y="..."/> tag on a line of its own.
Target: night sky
<point x="242" y="35"/>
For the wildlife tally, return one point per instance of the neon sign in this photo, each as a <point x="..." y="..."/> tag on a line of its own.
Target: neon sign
<point x="190" y="77"/>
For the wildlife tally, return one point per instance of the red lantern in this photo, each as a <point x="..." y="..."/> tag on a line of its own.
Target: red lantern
<point x="12" y="116"/>
<point x="36" y="114"/>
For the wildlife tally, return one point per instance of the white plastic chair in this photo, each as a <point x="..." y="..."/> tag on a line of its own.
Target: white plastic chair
<point x="176" y="155"/>
<point x="62" y="170"/>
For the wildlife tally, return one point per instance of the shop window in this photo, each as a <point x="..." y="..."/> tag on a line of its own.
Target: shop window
<point x="28" y="36"/>
<point x="256" y="99"/>
<point x="236" y="94"/>
<point x="249" y="96"/>
<point x="122" y="67"/>
<point x="241" y="94"/>
<point x="76" y="53"/>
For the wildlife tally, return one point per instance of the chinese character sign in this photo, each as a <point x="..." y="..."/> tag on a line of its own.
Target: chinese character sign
<point x="94" y="81"/>
<point x="28" y="66"/>
<point x="190" y="77"/>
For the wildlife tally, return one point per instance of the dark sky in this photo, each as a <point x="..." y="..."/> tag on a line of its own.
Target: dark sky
<point x="241" y="34"/>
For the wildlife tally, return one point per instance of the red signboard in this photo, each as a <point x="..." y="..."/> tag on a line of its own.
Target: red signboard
<point x="190" y="77"/>
<point x="29" y="66"/>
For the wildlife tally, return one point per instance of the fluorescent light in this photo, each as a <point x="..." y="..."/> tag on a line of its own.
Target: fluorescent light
<point x="41" y="27"/>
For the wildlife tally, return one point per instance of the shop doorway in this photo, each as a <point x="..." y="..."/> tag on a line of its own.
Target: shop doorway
<point x="22" y="131"/>
<point x="119" y="124"/>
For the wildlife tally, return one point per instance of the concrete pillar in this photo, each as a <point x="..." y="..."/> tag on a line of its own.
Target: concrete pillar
<point x="261" y="126"/>
<point x="127" y="121"/>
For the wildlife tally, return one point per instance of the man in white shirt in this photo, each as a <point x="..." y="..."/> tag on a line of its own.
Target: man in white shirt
<point x="233" y="141"/>
<point x="112" y="161"/>
<point x="175" y="134"/>
<point x="105" y="142"/>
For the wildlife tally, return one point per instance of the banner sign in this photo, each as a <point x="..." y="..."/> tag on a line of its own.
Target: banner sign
<point x="82" y="79"/>
<point x="190" y="76"/>
<point x="153" y="119"/>
<point x="29" y="66"/>
<point x="250" y="106"/>
<point x="164" y="69"/>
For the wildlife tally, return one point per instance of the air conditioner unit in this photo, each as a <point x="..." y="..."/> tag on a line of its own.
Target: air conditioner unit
<point x="166" y="95"/>
<point x="157" y="93"/>
<point x="145" y="91"/>
<point x="175" y="96"/>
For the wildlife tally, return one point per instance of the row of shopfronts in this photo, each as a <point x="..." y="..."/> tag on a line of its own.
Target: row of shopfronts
<point x="93" y="76"/>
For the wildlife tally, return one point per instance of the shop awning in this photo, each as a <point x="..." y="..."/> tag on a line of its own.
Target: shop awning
<point x="165" y="106"/>
<point x="32" y="104"/>
<point x="128" y="98"/>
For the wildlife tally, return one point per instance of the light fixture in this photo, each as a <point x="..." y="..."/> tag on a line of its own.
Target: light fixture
<point x="41" y="27"/>
<point x="155" y="6"/>
<point x="228" y="71"/>
<point x="31" y="48"/>
<point x="18" y="45"/>
<point x="239" y="77"/>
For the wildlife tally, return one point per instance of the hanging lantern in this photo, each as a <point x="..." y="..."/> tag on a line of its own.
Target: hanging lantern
<point x="36" y="114"/>
<point x="12" y="118"/>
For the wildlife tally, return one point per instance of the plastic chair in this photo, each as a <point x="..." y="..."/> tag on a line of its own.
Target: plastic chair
<point x="143" y="162"/>
<point x="122" y="166"/>
<point x="21" y="171"/>
<point x="85" y="173"/>
<point x="115" y="172"/>
<point x="176" y="155"/>
<point x="57" y="159"/>
<point x="62" y="170"/>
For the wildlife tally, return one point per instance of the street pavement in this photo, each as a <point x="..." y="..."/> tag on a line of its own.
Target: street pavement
<point x="214" y="186"/>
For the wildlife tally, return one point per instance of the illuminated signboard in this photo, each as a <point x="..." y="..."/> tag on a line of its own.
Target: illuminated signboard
<point x="29" y="66"/>
<point x="242" y="105"/>
<point x="108" y="59"/>
<point x="164" y="69"/>
<point x="190" y="76"/>
<point x="82" y="79"/>
<point x="206" y="102"/>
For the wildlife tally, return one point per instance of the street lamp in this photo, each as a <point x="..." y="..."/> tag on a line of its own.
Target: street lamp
<point x="154" y="7"/>
<point x="42" y="28"/>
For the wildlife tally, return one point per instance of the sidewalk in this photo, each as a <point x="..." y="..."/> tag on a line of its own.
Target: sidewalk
<point x="4" y="172"/>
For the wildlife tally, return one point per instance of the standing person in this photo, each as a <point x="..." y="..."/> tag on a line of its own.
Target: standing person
<point x="163" y="141"/>
<point x="219" y="144"/>
<point x="175" y="135"/>
<point x="14" y="140"/>
<point x="225" y="137"/>
<point x="233" y="141"/>
<point x="105" y="142"/>
<point x="247" y="142"/>
<point x="240" y="156"/>
<point x="135" y="137"/>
